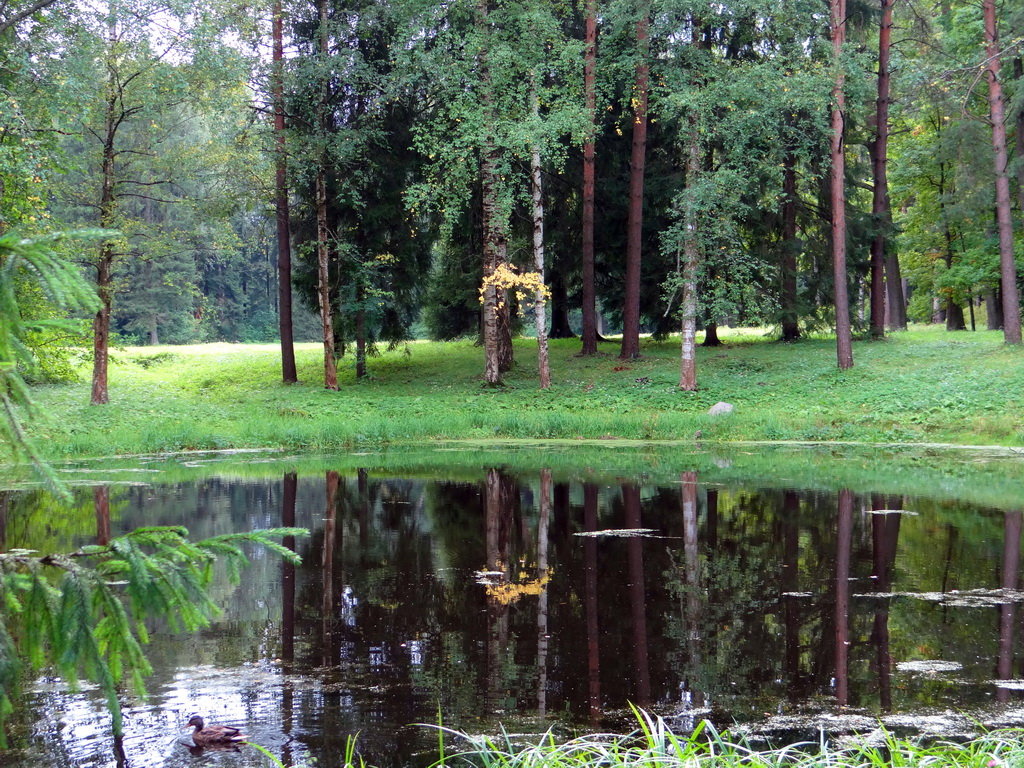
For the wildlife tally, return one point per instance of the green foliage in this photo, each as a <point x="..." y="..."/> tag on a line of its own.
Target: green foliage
<point x="655" y="745"/>
<point x="84" y="614"/>
<point x="32" y="265"/>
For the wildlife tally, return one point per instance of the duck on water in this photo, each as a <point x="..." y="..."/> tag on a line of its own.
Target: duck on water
<point x="205" y="735"/>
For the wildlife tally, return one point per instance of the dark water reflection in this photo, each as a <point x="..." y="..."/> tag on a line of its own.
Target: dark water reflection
<point x="522" y="600"/>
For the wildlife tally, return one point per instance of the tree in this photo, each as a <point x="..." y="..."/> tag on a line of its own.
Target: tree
<point x="588" y="334"/>
<point x="1004" y="221"/>
<point x="289" y="373"/>
<point x="886" y="282"/>
<point x="634" y="239"/>
<point x="844" y="346"/>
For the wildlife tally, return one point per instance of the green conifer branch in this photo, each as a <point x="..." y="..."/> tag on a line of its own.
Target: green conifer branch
<point x="84" y="613"/>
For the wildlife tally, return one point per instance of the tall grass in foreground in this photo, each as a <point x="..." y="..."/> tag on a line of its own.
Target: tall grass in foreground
<point x="654" y="745"/>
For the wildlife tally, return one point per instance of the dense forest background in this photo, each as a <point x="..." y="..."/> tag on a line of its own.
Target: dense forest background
<point x="416" y="143"/>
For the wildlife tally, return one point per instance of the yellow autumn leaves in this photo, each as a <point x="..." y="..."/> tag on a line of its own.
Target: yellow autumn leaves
<point x="523" y="284"/>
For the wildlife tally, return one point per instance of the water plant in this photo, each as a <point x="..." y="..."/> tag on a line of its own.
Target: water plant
<point x="655" y="745"/>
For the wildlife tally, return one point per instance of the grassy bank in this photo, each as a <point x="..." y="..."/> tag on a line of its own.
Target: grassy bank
<point x="925" y="385"/>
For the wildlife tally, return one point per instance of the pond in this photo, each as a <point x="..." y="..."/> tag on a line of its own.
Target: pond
<point x="480" y="594"/>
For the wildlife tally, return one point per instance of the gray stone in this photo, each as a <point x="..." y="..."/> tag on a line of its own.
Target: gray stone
<point x="720" y="408"/>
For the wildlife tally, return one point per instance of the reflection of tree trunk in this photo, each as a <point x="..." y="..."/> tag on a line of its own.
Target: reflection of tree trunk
<point x="327" y="602"/>
<point x="791" y="584"/>
<point x="885" y="532"/>
<point x="497" y="513"/>
<point x="637" y="595"/>
<point x="542" y="598"/>
<point x="362" y="486"/>
<point x="590" y="601"/>
<point x="101" y="501"/>
<point x="693" y="605"/>
<point x="844" y="542"/>
<point x="1008" y="611"/>
<point x="288" y="494"/>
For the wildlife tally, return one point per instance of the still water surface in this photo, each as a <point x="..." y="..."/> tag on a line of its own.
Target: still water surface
<point x="513" y="598"/>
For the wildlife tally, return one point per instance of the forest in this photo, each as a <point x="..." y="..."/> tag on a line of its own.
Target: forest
<point x="414" y="169"/>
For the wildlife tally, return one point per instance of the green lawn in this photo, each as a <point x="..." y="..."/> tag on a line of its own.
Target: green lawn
<point x="925" y="385"/>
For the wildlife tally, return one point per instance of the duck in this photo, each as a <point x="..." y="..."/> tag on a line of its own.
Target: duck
<point x="205" y="735"/>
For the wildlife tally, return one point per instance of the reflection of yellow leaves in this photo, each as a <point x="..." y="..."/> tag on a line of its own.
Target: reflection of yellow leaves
<point x="506" y="594"/>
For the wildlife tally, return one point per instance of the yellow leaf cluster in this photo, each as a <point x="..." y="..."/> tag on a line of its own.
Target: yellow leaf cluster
<point x="524" y="284"/>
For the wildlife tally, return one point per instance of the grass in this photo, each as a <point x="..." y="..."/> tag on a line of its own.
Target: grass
<point x="921" y="386"/>
<point x="655" y="745"/>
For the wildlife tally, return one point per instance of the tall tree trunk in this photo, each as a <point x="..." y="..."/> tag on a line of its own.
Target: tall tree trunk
<point x="540" y="303"/>
<point x="360" y="334"/>
<point x="323" y="255"/>
<point x="560" y="326"/>
<point x="1018" y="75"/>
<point x="711" y="336"/>
<point x="691" y="264"/>
<point x="1007" y="265"/>
<point x="896" y="300"/>
<point x="885" y="278"/>
<point x="634" y="236"/>
<point x="289" y="374"/>
<point x="790" y="309"/>
<point x="993" y="310"/>
<point x="844" y="338"/>
<point x="494" y="229"/>
<point x="107" y="220"/>
<point x="588" y="333"/>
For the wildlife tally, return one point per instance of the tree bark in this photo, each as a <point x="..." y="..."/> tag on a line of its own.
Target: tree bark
<point x="634" y="237"/>
<point x="1007" y="265"/>
<point x="289" y="374"/>
<point x="540" y="303"/>
<point x="993" y="310"/>
<point x="494" y="230"/>
<point x="322" y="245"/>
<point x="886" y="282"/>
<point x="105" y="262"/>
<point x="691" y="264"/>
<point x="560" y="326"/>
<point x="790" y="309"/>
<point x="1018" y="75"/>
<point x="711" y="336"/>
<point x="360" y="334"/>
<point x="844" y="339"/>
<point x="588" y="333"/>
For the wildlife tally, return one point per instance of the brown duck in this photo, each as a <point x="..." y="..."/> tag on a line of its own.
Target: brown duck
<point x="214" y="734"/>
